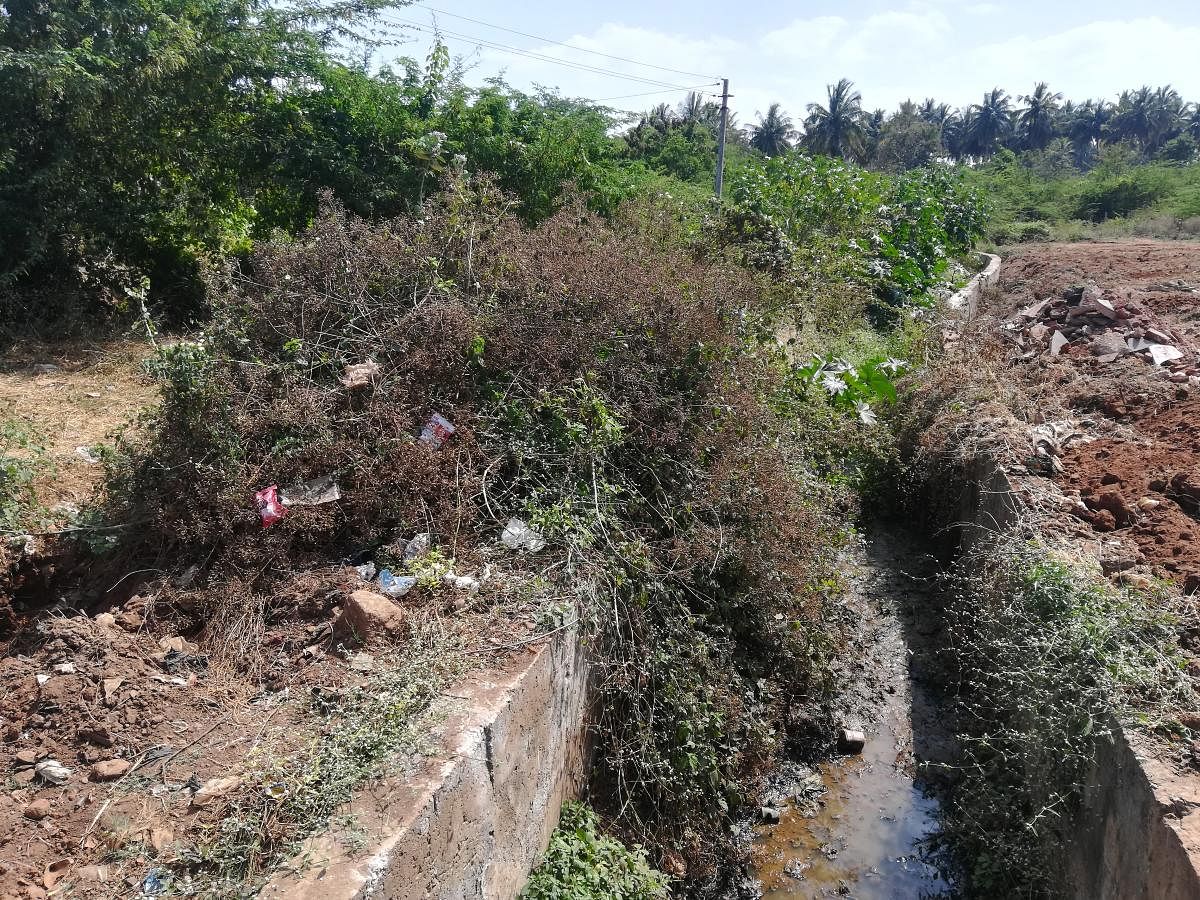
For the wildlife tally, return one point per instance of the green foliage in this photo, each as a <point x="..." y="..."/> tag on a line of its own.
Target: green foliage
<point x="22" y="461"/>
<point x="896" y="234"/>
<point x="582" y="863"/>
<point x="1042" y="656"/>
<point x="853" y="387"/>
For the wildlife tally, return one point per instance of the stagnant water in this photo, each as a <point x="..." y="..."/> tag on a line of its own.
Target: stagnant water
<point x="855" y="827"/>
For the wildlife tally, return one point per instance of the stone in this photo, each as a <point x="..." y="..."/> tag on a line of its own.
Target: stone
<point x="851" y="740"/>
<point x="26" y="757"/>
<point x="368" y="615"/>
<point x="1058" y="341"/>
<point x="1115" y="503"/>
<point x="106" y="620"/>
<point x="1039" y="332"/>
<point x="95" y="734"/>
<point x="214" y="789"/>
<point x="130" y="620"/>
<point x="110" y="769"/>
<point x="37" y="810"/>
<point x="1109" y="344"/>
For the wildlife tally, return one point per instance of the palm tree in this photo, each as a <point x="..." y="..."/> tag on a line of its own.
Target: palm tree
<point x="1085" y="127"/>
<point x="991" y="123"/>
<point x="1165" y="117"/>
<point x="1131" y="119"/>
<point x="774" y="133"/>
<point x="1192" y="120"/>
<point x="933" y="112"/>
<point x="1036" y="120"/>
<point x="836" y="128"/>
<point x="956" y="134"/>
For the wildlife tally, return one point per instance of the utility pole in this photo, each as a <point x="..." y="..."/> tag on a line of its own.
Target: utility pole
<point x="719" y="182"/>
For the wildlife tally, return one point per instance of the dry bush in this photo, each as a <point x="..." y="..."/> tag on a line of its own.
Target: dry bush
<point x="607" y="384"/>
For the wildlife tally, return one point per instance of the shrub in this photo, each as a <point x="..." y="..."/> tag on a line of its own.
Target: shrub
<point x="582" y="863"/>
<point x="607" y="385"/>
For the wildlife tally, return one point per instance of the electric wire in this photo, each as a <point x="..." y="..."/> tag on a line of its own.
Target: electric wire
<point x="426" y="29"/>
<point x="563" y="44"/>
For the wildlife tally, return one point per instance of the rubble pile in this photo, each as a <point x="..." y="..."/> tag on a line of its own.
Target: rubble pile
<point x="1104" y="326"/>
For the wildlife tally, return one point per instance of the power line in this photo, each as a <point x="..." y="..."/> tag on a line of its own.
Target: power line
<point x="664" y="91"/>
<point x="584" y="67"/>
<point x="562" y="44"/>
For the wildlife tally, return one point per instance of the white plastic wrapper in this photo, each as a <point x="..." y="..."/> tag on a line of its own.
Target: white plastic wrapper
<point x="437" y="431"/>
<point x="311" y="493"/>
<point x="518" y="535"/>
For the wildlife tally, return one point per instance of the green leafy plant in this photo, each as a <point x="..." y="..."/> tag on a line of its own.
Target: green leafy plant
<point x="23" y="460"/>
<point x="582" y="863"/>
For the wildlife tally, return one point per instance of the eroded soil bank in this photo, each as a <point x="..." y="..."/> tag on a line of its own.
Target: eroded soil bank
<point x="858" y="825"/>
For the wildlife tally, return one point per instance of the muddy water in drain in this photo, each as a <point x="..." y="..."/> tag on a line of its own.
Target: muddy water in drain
<point x="864" y="835"/>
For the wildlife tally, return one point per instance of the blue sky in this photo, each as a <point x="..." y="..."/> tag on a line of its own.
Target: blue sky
<point x="788" y="52"/>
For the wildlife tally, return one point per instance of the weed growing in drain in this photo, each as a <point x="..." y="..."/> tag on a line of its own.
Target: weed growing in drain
<point x="22" y="460"/>
<point x="285" y="799"/>
<point x="1044" y="660"/>
<point x="582" y="863"/>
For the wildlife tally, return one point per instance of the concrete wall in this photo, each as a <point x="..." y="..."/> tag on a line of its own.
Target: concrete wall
<point x="470" y="821"/>
<point x="1137" y="840"/>
<point x="967" y="299"/>
<point x="1137" y="834"/>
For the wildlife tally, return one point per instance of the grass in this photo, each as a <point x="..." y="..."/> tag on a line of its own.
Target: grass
<point x="358" y="734"/>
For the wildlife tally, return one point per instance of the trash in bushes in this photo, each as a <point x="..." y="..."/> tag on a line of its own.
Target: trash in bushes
<point x="462" y="582"/>
<point x="366" y="571"/>
<point x="312" y="493"/>
<point x="86" y="454"/>
<point x="360" y="375"/>
<point x="270" y="510"/>
<point x="519" y="536"/>
<point x="418" y="546"/>
<point x="179" y="659"/>
<point x="52" y="771"/>
<point x="437" y="431"/>
<point x="396" y="585"/>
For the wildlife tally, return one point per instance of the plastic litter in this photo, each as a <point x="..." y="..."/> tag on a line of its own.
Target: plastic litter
<point x="154" y="883"/>
<point x="1161" y="353"/>
<point x="366" y="571"/>
<point x="418" y="546"/>
<point x="270" y="510"/>
<point x="53" y="771"/>
<point x="360" y="375"/>
<point x="396" y="585"/>
<point x="311" y="493"/>
<point x="86" y="454"/>
<point x="437" y="431"/>
<point x="462" y="582"/>
<point x="518" y="535"/>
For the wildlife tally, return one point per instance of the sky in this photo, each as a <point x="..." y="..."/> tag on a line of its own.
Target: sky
<point x="773" y="51"/>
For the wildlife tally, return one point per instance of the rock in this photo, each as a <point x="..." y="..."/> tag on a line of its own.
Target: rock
<point x="1189" y="720"/>
<point x="1146" y="504"/>
<point x="110" y="769"/>
<point x="130" y="620"/>
<point x="367" y="615"/>
<point x="1039" y="332"/>
<point x="214" y="789"/>
<point x="770" y="815"/>
<point x="92" y="874"/>
<point x="851" y="740"/>
<point x="95" y="734"/>
<point x="106" y="620"/>
<point x="1115" y="503"/>
<point x="37" y="810"/>
<point x="25" y="757"/>
<point x="1058" y="341"/>
<point x="1109" y="344"/>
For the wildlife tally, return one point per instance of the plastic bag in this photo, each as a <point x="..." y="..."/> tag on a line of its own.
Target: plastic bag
<point x="312" y="493"/>
<point x="396" y="585"/>
<point x="417" y="547"/>
<point x="437" y="431"/>
<point x="519" y="536"/>
<point x="361" y="375"/>
<point x="270" y="508"/>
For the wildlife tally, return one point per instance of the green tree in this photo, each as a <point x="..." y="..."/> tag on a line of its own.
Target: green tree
<point x="835" y="129"/>
<point x="774" y="133"/>
<point x="991" y="123"/>
<point x="1036" y="119"/>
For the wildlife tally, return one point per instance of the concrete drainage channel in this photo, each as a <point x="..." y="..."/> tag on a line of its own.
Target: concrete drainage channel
<point x="470" y="820"/>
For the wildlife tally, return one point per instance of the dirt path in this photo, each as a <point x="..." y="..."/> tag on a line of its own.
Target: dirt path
<point x="856" y="826"/>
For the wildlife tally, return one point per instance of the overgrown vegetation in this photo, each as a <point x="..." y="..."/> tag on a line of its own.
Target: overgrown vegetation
<point x="1044" y="660"/>
<point x="582" y="863"/>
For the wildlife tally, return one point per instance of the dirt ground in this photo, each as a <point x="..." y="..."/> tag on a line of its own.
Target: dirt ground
<point x="1120" y="432"/>
<point x="111" y="721"/>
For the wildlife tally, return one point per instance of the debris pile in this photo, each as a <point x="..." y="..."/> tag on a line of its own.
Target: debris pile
<point x="1103" y="325"/>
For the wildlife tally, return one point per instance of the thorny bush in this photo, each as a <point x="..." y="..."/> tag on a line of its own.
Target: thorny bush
<point x="606" y="384"/>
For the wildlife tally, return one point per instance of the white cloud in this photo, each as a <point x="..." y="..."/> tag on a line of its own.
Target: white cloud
<point x="984" y="9"/>
<point x="804" y="38"/>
